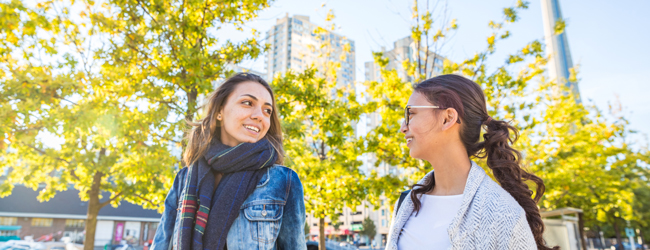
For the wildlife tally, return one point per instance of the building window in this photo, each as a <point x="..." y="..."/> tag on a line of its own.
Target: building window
<point x="8" y="221"/>
<point x="383" y="223"/>
<point x="8" y="232"/>
<point x="382" y="212"/>
<point x="41" y="222"/>
<point x="75" y="223"/>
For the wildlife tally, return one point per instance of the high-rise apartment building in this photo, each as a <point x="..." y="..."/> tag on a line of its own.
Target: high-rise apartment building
<point x="404" y="49"/>
<point x="295" y="45"/>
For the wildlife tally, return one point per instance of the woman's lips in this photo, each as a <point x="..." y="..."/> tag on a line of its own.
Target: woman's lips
<point x="252" y="129"/>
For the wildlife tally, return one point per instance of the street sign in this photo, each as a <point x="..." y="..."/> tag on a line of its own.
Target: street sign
<point x="629" y="232"/>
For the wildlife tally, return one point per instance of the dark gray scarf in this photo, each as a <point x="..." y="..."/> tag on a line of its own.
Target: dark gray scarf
<point x="206" y="211"/>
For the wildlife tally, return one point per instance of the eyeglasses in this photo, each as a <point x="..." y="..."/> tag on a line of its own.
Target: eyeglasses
<point x="409" y="107"/>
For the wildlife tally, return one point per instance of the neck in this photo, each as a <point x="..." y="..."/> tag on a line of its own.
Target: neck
<point x="451" y="166"/>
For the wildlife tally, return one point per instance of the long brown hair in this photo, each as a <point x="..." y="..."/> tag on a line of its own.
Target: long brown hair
<point x="466" y="96"/>
<point x="208" y="129"/>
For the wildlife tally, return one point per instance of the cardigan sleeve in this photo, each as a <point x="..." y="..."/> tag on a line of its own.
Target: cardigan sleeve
<point x="392" y="229"/>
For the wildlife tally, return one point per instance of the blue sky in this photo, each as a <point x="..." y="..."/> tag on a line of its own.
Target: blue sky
<point x="608" y="39"/>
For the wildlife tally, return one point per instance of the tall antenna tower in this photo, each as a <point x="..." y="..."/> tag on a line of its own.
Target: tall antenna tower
<point x="558" y="47"/>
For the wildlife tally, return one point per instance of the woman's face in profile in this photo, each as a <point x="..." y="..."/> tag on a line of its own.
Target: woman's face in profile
<point x="246" y="116"/>
<point x="422" y="132"/>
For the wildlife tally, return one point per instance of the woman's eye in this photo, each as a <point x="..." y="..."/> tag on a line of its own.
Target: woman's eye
<point x="268" y="111"/>
<point x="246" y="103"/>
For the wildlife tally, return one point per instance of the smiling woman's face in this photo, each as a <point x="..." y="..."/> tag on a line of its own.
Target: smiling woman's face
<point x="246" y="116"/>
<point x="423" y="132"/>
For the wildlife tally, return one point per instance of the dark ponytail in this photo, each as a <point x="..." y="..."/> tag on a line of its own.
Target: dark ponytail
<point x="504" y="161"/>
<point x="464" y="95"/>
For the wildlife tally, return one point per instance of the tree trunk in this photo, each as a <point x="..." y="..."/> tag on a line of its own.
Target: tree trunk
<point x="619" y="240"/>
<point x="600" y="238"/>
<point x="93" y="210"/>
<point x="192" y="95"/>
<point x="321" y="234"/>
<point x="581" y="229"/>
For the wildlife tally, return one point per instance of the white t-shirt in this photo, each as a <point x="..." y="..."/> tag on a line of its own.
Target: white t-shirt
<point x="428" y="230"/>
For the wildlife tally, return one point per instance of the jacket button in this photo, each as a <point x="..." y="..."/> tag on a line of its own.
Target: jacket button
<point x="264" y="213"/>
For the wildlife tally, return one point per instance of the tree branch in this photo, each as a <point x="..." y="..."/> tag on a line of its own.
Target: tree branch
<point x="145" y="199"/>
<point x="144" y="8"/>
<point x="42" y="152"/>
<point x="103" y="204"/>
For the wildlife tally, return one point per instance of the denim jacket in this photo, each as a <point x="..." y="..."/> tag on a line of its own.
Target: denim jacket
<point x="272" y="217"/>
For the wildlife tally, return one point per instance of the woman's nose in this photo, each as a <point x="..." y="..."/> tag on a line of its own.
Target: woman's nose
<point x="257" y="114"/>
<point x="403" y="127"/>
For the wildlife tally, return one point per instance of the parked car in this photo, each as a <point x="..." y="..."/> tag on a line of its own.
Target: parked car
<point x="312" y="245"/>
<point x="330" y="245"/>
<point x="21" y="244"/>
<point x="62" y="246"/>
<point x="627" y="245"/>
<point x="110" y="246"/>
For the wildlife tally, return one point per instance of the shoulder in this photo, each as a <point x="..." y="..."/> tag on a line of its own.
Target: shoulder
<point x="180" y="175"/>
<point x="284" y="178"/>
<point x="499" y="217"/>
<point x="285" y="181"/>
<point x="508" y="218"/>
<point x="279" y="171"/>
<point x="494" y="198"/>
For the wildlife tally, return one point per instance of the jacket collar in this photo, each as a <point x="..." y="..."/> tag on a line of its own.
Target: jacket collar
<point x="474" y="179"/>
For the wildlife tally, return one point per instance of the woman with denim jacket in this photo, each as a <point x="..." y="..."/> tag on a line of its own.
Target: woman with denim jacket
<point x="234" y="194"/>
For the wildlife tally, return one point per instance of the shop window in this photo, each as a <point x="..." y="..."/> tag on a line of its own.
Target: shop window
<point x="41" y="222"/>
<point x="8" y="221"/>
<point x="75" y="223"/>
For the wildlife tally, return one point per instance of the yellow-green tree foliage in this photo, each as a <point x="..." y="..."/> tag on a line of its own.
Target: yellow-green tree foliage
<point x="586" y="161"/>
<point x="95" y="94"/>
<point x="319" y="114"/>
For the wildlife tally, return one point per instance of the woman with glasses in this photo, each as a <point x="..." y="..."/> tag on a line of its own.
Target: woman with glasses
<point x="457" y="205"/>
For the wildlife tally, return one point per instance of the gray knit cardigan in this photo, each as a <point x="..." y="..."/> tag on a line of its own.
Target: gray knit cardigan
<point x="488" y="218"/>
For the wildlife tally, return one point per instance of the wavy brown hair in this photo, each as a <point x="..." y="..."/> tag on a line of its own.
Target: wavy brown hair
<point x="466" y="96"/>
<point x="204" y="131"/>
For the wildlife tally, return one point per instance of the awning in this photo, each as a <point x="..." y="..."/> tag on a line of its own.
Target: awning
<point x="356" y="227"/>
<point x="10" y="228"/>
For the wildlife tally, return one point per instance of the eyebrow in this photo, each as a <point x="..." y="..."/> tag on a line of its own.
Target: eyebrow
<point x="255" y="98"/>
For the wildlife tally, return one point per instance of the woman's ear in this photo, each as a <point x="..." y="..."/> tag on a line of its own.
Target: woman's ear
<point x="450" y="117"/>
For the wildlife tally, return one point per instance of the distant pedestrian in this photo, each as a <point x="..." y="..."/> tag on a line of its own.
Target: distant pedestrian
<point x="457" y="205"/>
<point x="233" y="194"/>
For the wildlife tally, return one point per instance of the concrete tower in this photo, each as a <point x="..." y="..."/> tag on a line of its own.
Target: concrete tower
<point x="558" y="47"/>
